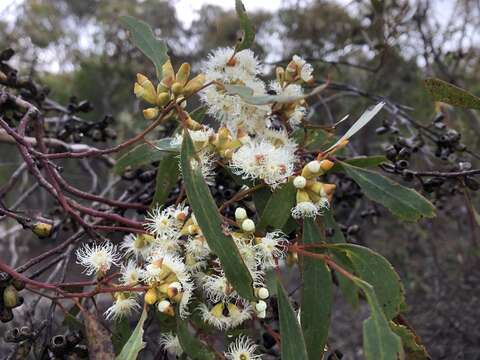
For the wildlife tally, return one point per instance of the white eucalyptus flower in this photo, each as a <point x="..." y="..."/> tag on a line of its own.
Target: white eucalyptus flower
<point x="97" y="258"/>
<point x="123" y="306"/>
<point x="171" y="344"/>
<point x="242" y="349"/>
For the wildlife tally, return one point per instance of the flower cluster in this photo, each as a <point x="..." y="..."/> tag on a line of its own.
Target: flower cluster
<point x="172" y="262"/>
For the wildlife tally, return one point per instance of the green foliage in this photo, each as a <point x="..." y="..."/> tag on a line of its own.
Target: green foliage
<point x="167" y="177"/>
<point x="403" y="202"/>
<point x="135" y="343"/>
<point x="276" y="212"/>
<point x="193" y="347"/>
<point x="451" y="94"/>
<point x="316" y="295"/>
<point x="378" y="272"/>
<point x="414" y="350"/>
<point x="379" y="341"/>
<point x="144" y="39"/>
<point x="246" y="25"/>
<point x="144" y="154"/>
<point x="292" y="346"/>
<point x="121" y="333"/>
<point x="361" y="162"/>
<point x="210" y="221"/>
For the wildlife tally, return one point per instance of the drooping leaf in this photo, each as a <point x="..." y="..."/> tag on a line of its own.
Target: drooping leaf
<point x="378" y="272"/>
<point x="414" y="349"/>
<point x="379" y="341"/>
<point x="210" y="221"/>
<point x="451" y="94"/>
<point x="364" y="119"/>
<point x="316" y="295"/>
<point x="292" y="344"/>
<point x="278" y="208"/>
<point x="246" y="94"/>
<point x="361" y="162"/>
<point x="192" y="346"/>
<point x="121" y="333"/>
<point x="403" y="202"/>
<point x="246" y="25"/>
<point x="348" y="289"/>
<point x="145" y="40"/>
<point x="167" y="176"/>
<point x="144" y="154"/>
<point x="135" y="343"/>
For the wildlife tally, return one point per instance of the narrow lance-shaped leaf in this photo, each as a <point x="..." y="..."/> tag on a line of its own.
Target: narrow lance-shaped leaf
<point x="361" y="162"/>
<point x="379" y="341"/>
<point x="135" y="343"/>
<point x="292" y="344"/>
<point x="403" y="202"/>
<point x="144" y="39"/>
<point x="144" y="154"/>
<point x="246" y="94"/>
<point x="193" y="347"/>
<point x="246" y="25"/>
<point x="278" y="208"/>
<point x="210" y="222"/>
<point x="378" y="272"/>
<point x="451" y="94"/>
<point x="364" y="119"/>
<point x="316" y="295"/>
<point x="167" y="177"/>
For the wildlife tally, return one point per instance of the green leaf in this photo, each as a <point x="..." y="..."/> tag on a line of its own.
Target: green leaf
<point x="405" y="203"/>
<point x="414" y="349"/>
<point x="210" y="221"/>
<point x="260" y="199"/>
<point x="292" y="344"/>
<point x="121" y="333"/>
<point x="451" y="94"/>
<point x="167" y="177"/>
<point x="135" y="343"/>
<point x="364" y="119"/>
<point x="316" y="295"/>
<point x="193" y="347"/>
<point x="246" y="26"/>
<point x="246" y="94"/>
<point x="361" y="162"/>
<point x="278" y="208"/>
<point x="144" y="154"/>
<point x="378" y="272"/>
<point x="315" y="138"/>
<point x="199" y="113"/>
<point x="379" y="341"/>
<point x="348" y="289"/>
<point x="144" y="39"/>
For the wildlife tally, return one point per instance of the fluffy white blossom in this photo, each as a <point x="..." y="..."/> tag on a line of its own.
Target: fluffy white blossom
<point x="225" y="316"/>
<point x="306" y="69"/>
<point x="98" y="258"/>
<point x="123" y="306"/>
<point x="222" y="65"/>
<point x="307" y="209"/>
<point x="171" y="344"/>
<point x="166" y="223"/>
<point x="242" y="349"/>
<point x="131" y="274"/>
<point x="260" y="159"/>
<point x="138" y="245"/>
<point x="270" y="247"/>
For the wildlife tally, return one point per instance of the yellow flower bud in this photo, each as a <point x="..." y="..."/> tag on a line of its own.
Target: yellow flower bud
<point x="150" y="113"/>
<point x="148" y="94"/>
<point x="151" y="296"/>
<point x="177" y="88"/>
<point x="302" y="196"/>
<point x="10" y="297"/>
<point x="329" y="189"/>
<point x="183" y="74"/>
<point x="161" y="88"/>
<point x="192" y="124"/>
<point x="168" y="73"/>
<point x="326" y="165"/>
<point x="42" y="230"/>
<point x="194" y="84"/>
<point x="316" y="187"/>
<point x="217" y="310"/>
<point x="163" y="98"/>
<point x="280" y="73"/>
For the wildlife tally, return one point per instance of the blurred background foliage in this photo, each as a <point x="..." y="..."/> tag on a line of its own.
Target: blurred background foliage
<point x="384" y="48"/>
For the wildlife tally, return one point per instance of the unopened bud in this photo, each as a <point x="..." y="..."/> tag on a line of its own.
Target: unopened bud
<point x="261" y="306"/>
<point x="194" y="85"/>
<point x="10" y="297"/>
<point x="240" y="213"/>
<point x="150" y="113"/>
<point x="174" y="289"/>
<point x="299" y="182"/>
<point x="42" y="230"/>
<point x="166" y="307"/>
<point x="326" y="165"/>
<point x="248" y="225"/>
<point x="183" y="74"/>
<point x="313" y="166"/>
<point x="151" y="296"/>
<point x="263" y="293"/>
<point x="302" y="196"/>
<point x="163" y="98"/>
<point x="177" y="88"/>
